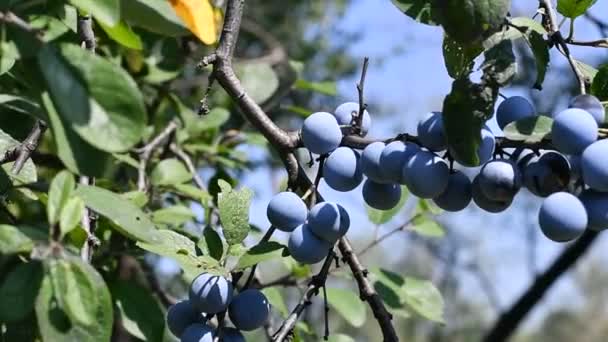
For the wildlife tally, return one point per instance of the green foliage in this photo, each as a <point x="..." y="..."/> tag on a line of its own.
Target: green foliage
<point x="574" y="8"/>
<point x="382" y="216"/>
<point x="261" y="252"/>
<point x="419" y="10"/>
<point x="170" y="172"/>
<point x="153" y="15"/>
<point x="71" y="214"/>
<point x="59" y="193"/>
<point x="599" y="87"/>
<point x="139" y="311"/>
<point x="234" y="212"/>
<point x="106" y="11"/>
<point x="459" y="58"/>
<point x="466" y="21"/>
<point x="348" y="305"/>
<point x="13" y="241"/>
<point x="530" y="130"/>
<point x="18" y="291"/>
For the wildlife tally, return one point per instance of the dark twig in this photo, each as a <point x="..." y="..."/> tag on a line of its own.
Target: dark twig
<point x="181" y="154"/>
<point x="360" y="90"/>
<point x="145" y="153"/>
<point x="85" y="31"/>
<point x="11" y="19"/>
<point x="21" y="153"/>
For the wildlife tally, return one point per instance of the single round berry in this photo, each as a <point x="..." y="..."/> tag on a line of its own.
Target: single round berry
<point x="305" y="247"/>
<point x="342" y="171"/>
<point x="514" y="109"/>
<point x="547" y="174"/>
<point x="562" y="217"/>
<point x="426" y="175"/>
<point x="197" y="332"/>
<point x="484" y="203"/>
<point x="573" y="130"/>
<point x="328" y="221"/>
<point x="394" y="157"/>
<point x="232" y="335"/>
<point x="381" y="196"/>
<point x="210" y="293"/>
<point x="500" y="180"/>
<point x="592" y="105"/>
<point x="321" y="133"/>
<point x="430" y="132"/>
<point x="349" y="110"/>
<point x="596" y="204"/>
<point x="457" y="195"/>
<point x="249" y="310"/>
<point x="286" y="211"/>
<point x="594" y="166"/>
<point x="370" y="162"/>
<point x="181" y="315"/>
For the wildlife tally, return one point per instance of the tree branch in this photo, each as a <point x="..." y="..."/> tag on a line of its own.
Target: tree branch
<point x="145" y="153"/>
<point x="508" y="322"/>
<point x="181" y="154"/>
<point x="21" y="153"/>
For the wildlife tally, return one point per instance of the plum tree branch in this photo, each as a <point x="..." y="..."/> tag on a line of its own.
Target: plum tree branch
<point x="145" y="153"/>
<point x="21" y="153"/>
<point x="508" y="322"/>
<point x="360" y="91"/>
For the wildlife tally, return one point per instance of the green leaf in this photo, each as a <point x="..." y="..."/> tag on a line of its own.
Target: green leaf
<point x="348" y="304"/>
<point x="327" y="88"/>
<point x="599" y="87"/>
<point x="106" y="11"/>
<point x="427" y="207"/>
<point x="74" y="303"/>
<point x="127" y="217"/>
<point x="275" y="298"/>
<point x="587" y="70"/>
<point x="18" y="291"/>
<point x="428" y="227"/>
<point x="465" y="111"/>
<point x="71" y="215"/>
<point x="530" y="130"/>
<point x="574" y="8"/>
<point x="13" y="241"/>
<point x="470" y="20"/>
<point x="170" y="172"/>
<point x="234" y="212"/>
<point x="122" y="34"/>
<point x="60" y="191"/>
<point x="459" y="58"/>
<point x="211" y="244"/>
<point x="8" y="56"/>
<point x="175" y="215"/>
<point x="499" y="66"/>
<point x="528" y="24"/>
<point x="28" y="173"/>
<point x="139" y="312"/>
<point x="153" y="15"/>
<point x="382" y="216"/>
<point x="540" y="48"/>
<point x="261" y="252"/>
<point x="192" y="192"/>
<point x="258" y="79"/>
<point x="340" y="338"/>
<point x="139" y="198"/>
<point x="419" y="10"/>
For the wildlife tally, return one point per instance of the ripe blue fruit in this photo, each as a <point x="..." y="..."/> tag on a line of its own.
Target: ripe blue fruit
<point x="341" y="170"/>
<point x="181" y="315"/>
<point x="562" y="217"/>
<point x="573" y="130"/>
<point x="500" y="180"/>
<point x="232" y="335"/>
<point x="394" y="157"/>
<point x="197" y="332"/>
<point x="486" y="148"/>
<point x="596" y="204"/>
<point x="457" y="195"/>
<point x="547" y="174"/>
<point x="305" y="247"/>
<point x="513" y="109"/>
<point x="381" y="196"/>
<point x="575" y="166"/>
<point x="430" y="132"/>
<point x="210" y="293"/>
<point x="592" y="105"/>
<point x="370" y="162"/>
<point x="426" y="175"/>
<point x="249" y="310"/>
<point x="321" y="133"/>
<point x="345" y="113"/>
<point x="594" y="166"/>
<point x="286" y="211"/>
<point x="328" y="221"/>
<point x="483" y="202"/>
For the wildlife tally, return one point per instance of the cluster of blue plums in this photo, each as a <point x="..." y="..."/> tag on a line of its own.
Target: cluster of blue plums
<point x="212" y="294"/>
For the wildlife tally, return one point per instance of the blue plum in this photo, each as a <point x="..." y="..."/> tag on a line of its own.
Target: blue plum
<point x="286" y="211"/>
<point x="232" y="335"/>
<point x="592" y="105"/>
<point x="342" y="171"/>
<point x="249" y="310"/>
<point x="305" y="247"/>
<point x="370" y="162"/>
<point x="210" y="293"/>
<point x="500" y="180"/>
<point x="328" y="221"/>
<point x="573" y="130"/>
<point x="197" y="332"/>
<point x="483" y="202"/>
<point x="514" y="109"/>
<point x="381" y="196"/>
<point x="394" y="157"/>
<point x="347" y="111"/>
<point x="457" y="195"/>
<point x="594" y="166"/>
<point x="426" y="175"/>
<point x="547" y="174"/>
<point x="181" y="315"/>
<point x="321" y="133"/>
<point x="596" y="204"/>
<point x="430" y="132"/>
<point x="562" y="217"/>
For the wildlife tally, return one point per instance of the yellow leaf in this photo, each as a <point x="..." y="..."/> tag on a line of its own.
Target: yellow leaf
<point x="200" y="18"/>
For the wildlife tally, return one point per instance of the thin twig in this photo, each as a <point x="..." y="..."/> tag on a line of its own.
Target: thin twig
<point x="360" y="90"/>
<point x="377" y="241"/>
<point x="22" y="153"/>
<point x="181" y="154"/>
<point x="145" y="153"/>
